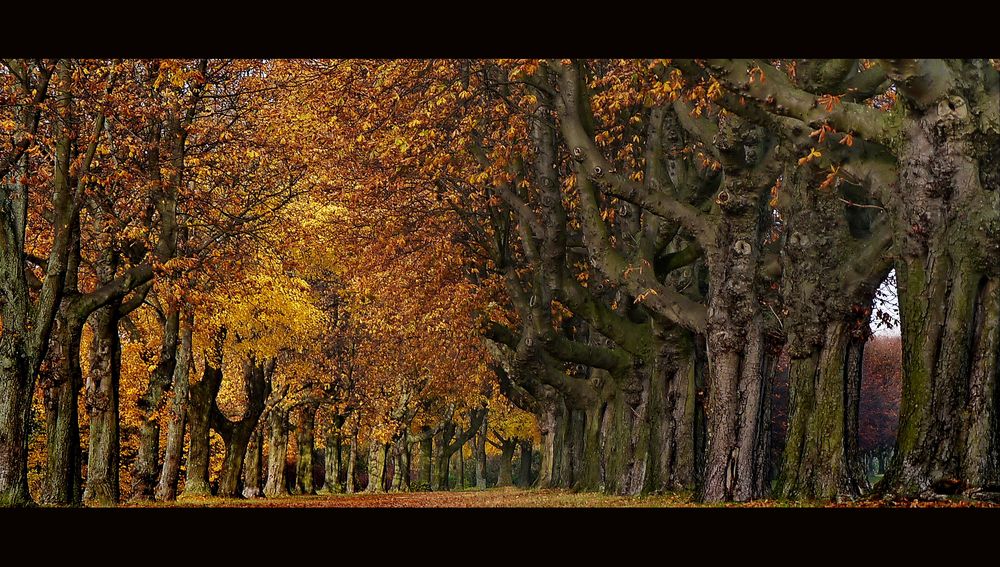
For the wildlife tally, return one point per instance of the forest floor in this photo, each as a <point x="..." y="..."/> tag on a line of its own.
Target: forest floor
<point x="519" y="498"/>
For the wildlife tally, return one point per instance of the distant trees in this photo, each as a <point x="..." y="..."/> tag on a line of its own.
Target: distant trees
<point x="881" y="390"/>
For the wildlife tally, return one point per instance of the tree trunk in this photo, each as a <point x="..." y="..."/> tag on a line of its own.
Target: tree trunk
<point x="352" y="457"/>
<point x="252" y="486"/>
<point x="401" y="466"/>
<point x="821" y="459"/>
<point x="15" y="414"/>
<point x="306" y="444"/>
<point x="146" y="470"/>
<point x="26" y="325"/>
<point x="376" y="466"/>
<point x="507" y="448"/>
<point x="461" y="464"/>
<point x="404" y="462"/>
<point x="481" y="455"/>
<point x="236" y="434"/>
<point x="166" y="489"/>
<point x="671" y="417"/>
<point x="102" y="487"/>
<point x="945" y="219"/>
<point x="553" y="425"/>
<point x="277" y="452"/>
<point x="63" y="480"/>
<point x="524" y="467"/>
<point x="397" y="471"/>
<point x="332" y="460"/>
<point x="201" y="396"/>
<point x="736" y="465"/>
<point x="426" y="458"/>
<point x="442" y="457"/>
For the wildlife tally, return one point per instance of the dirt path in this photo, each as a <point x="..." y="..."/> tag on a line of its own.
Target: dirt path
<point x="498" y="498"/>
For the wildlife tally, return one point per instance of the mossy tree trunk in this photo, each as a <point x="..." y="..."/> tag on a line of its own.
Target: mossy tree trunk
<point x="946" y="220"/>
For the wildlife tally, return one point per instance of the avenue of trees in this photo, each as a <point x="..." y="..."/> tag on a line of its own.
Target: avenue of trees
<point x="210" y="269"/>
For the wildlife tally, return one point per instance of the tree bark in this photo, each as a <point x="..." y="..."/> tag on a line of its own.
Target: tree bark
<point x="739" y="351"/>
<point x="352" y="457"/>
<point x="236" y="434"/>
<point x="524" y="466"/>
<point x="481" y="454"/>
<point x="426" y="442"/>
<point x="376" y="466"/>
<point x="102" y="487"/>
<point x="553" y="425"/>
<point x="945" y="216"/>
<point x="63" y="480"/>
<point x="166" y="488"/>
<point x="144" y="476"/>
<point x="306" y="445"/>
<point x="252" y="485"/>
<point x="201" y="397"/>
<point x="507" y="448"/>
<point x="332" y="458"/>
<point x="277" y="452"/>
<point x="821" y="459"/>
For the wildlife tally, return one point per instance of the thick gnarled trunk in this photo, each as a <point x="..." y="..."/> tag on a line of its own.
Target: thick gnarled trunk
<point x="821" y="459"/>
<point x="946" y="213"/>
